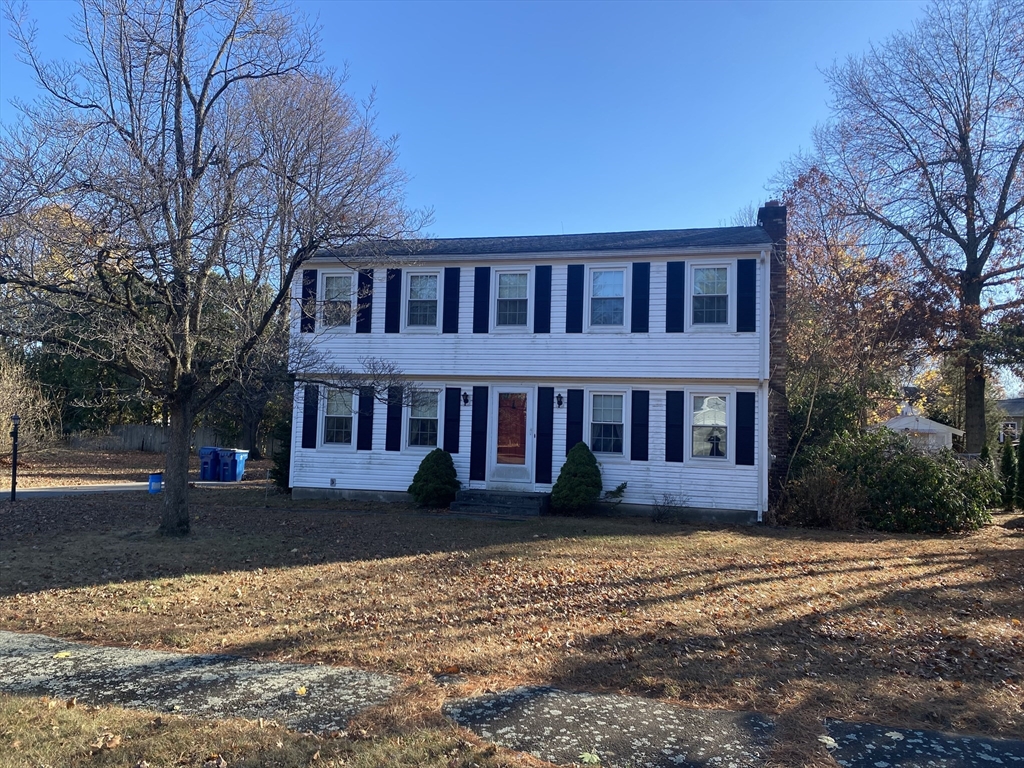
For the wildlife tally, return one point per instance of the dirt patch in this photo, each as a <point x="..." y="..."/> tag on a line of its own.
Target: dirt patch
<point x="800" y="625"/>
<point x="48" y="467"/>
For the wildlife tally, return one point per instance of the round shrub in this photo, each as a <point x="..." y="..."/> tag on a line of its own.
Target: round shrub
<point x="579" y="483"/>
<point x="435" y="482"/>
<point x="892" y="486"/>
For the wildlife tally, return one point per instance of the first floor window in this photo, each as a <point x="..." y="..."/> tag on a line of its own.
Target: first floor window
<point x="422" y="301"/>
<point x="337" y="300"/>
<point x="512" y="298"/>
<point x="1009" y="430"/>
<point x="607" y="297"/>
<point x="606" y="424"/>
<point x="710" y="296"/>
<point x="338" y="420"/>
<point x="710" y="420"/>
<point x="423" y="419"/>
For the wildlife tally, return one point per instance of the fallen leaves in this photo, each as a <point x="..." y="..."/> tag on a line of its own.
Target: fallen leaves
<point x="107" y="741"/>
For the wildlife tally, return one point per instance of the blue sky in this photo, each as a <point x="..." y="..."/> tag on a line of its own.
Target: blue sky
<point x="540" y="118"/>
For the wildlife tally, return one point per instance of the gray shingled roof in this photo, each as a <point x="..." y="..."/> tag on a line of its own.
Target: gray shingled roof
<point x="718" y="237"/>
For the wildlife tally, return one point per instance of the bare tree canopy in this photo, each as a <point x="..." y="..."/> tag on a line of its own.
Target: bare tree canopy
<point x="163" y="191"/>
<point x="926" y="147"/>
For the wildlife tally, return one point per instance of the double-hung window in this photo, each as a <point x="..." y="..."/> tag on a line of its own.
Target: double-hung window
<point x="513" y="300"/>
<point x="338" y="417"/>
<point x="421" y="311"/>
<point x="710" y="427"/>
<point x="710" y="296"/>
<point x="337" y="303"/>
<point x="607" y="297"/>
<point x="423" y="418"/>
<point x="606" y="424"/>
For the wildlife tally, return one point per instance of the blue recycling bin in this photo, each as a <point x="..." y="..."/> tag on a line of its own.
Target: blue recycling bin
<point x="209" y="464"/>
<point x="232" y="464"/>
<point x="156" y="482"/>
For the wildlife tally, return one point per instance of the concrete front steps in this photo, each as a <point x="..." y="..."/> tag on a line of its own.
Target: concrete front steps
<point x="502" y="503"/>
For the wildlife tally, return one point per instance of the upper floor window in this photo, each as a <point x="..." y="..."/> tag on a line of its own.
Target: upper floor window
<point x="710" y="296"/>
<point x="338" y="417"/>
<point x="513" y="299"/>
<point x="607" y="297"/>
<point x="606" y="425"/>
<point x="337" y="303"/>
<point x="710" y="426"/>
<point x="421" y="311"/>
<point x="423" y="418"/>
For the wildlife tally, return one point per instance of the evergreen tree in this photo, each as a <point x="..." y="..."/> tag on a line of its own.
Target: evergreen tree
<point x="1008" y="471"/>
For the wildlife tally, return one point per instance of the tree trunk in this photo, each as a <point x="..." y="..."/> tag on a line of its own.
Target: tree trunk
<point x="175" y="519"/>
<point x="974" y="366"/>
<point x="252" y="418"/>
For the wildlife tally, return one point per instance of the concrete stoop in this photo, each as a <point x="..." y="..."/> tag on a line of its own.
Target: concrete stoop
<point x="502" y="503"/>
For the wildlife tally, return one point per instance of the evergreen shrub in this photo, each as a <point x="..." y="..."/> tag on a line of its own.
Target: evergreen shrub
<point x="435" y="482"/>
<point x="578" y="486"/>
<point x="888" y="484"/>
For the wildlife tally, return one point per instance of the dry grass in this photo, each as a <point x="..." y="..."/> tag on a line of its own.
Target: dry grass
<point x="797" y="624"/>
<point x="47" y="467"/>
<point x="44" y="732"/>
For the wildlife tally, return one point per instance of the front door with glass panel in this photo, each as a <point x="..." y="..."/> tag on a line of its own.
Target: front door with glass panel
<point x="511" y="438"/>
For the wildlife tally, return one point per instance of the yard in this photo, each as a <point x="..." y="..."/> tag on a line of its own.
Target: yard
<point x="797" y="624"/>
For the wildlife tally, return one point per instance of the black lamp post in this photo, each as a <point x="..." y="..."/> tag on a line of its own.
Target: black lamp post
<point x="15" y="420"/>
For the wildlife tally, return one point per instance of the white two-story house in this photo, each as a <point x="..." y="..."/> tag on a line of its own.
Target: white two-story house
<point x="658" y="349"/>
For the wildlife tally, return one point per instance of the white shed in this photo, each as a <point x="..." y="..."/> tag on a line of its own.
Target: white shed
<point x="924" y="433"/>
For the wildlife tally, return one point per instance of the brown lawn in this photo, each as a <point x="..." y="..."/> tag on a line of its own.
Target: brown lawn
<point x="800" y="625"/>
<point x="48" y="467"/>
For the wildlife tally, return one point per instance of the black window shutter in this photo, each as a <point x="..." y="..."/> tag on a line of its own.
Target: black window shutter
<point x="364" y="302"/>
<point x="675" y="297"/>
<point x="545" y="432"/>
<point x="393" y="301"/>
<point x="364" y="426"/>
<point x="310" y="414"/>
<point x="478" y="436"/>
<point x="639" y="424"/>
<point x="393" y="433"/>
<point x="574" y="299"/>
<point x="481" y="299"/>
<point x="450" y="312"/>
<point x="745" y="428"/>
<point x="542" y="299"/>
<point x="641" y="304"/>
<point x="674" y="443"/>
<point x="573" y="419"/>
<point x="307" y="323"/>
<point x="746" y="295"/>
<point x="452" y="418"/>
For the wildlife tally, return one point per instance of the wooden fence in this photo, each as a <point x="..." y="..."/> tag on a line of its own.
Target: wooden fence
<point x="150" y="438"/>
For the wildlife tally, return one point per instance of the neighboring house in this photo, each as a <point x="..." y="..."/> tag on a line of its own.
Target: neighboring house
<point x="924" y="433"/>
<point x="1011" y="425"/>
<point x="653" y="347"/>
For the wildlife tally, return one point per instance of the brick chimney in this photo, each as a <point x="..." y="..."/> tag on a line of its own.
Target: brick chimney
<point x="772" y="217"/>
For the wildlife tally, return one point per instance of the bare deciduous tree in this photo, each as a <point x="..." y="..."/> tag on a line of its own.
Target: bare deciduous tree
<point x="927" y="144"/>
<point x="204" y="155"/>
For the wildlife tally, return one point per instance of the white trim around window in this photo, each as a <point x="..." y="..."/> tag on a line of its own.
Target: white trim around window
<point x="692" y="270"/>
<point x="602" y="403"/>
<point x="409" y="414"/>
<point x="331" y="313"/>
<point x="330" y="435"/>
<point x="690" y="404"/>
<point x="607" y="304"/>
<point x="518" y="302"/>
<point x="420" y="312"/>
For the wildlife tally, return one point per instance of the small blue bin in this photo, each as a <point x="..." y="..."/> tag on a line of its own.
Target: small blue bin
<point x="156" y="482"/>
<point x="232" y="464"/>
<point x="209" y="464"/>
